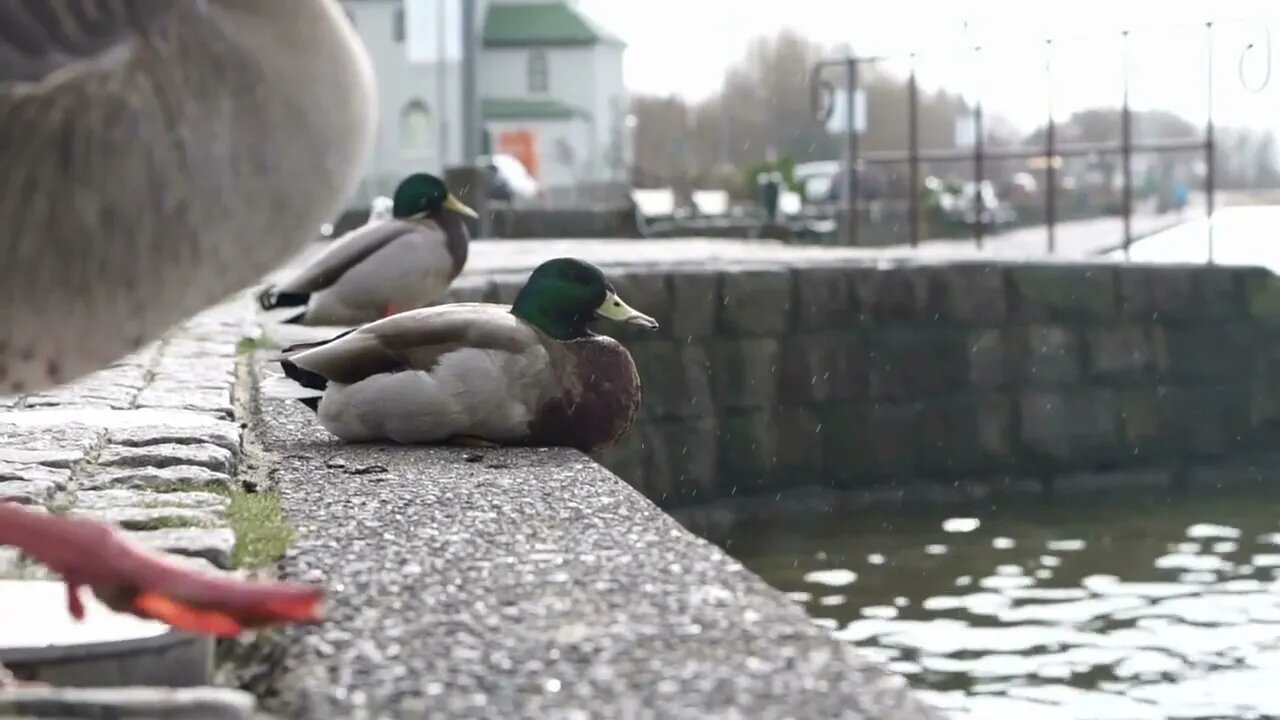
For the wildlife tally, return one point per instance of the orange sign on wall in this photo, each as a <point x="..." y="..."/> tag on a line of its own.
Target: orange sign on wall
<point x="523" y="146"/>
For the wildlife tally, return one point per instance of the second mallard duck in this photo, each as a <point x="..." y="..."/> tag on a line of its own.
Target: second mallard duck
<point x="385" y="266"/>
<point x="532" y="373"/>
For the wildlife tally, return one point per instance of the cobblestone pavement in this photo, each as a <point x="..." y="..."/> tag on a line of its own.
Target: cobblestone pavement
<point x="146" y="443"/>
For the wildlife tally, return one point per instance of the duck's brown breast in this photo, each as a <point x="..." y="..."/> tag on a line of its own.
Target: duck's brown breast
<point x="599" y="400"/>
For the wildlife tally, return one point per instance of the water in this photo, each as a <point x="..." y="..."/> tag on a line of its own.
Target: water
<point x="1098" y="612"/>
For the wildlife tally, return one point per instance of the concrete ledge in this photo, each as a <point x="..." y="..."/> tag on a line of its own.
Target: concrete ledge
<point x="519" y="583"/>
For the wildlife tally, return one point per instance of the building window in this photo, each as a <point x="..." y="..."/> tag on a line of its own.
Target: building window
<point x="397" y="25"/>
<point x="415" y="128"/>
<point x="537" y="71"/>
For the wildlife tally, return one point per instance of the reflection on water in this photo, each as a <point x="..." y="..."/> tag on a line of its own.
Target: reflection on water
<point x="1097" y="613"/>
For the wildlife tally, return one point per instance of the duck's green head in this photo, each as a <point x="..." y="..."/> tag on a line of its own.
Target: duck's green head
<point x="422" y="195"/>
<point x="563" y="295"/>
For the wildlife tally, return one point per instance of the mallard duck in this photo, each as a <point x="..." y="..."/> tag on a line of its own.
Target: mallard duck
<point x="531" y="373"/>
<point x="159" y="156"/>
<point x="383" y="267"/>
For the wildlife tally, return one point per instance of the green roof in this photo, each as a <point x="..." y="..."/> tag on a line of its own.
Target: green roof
<point x="527" y="109"/>
<point x="548" y="23"/>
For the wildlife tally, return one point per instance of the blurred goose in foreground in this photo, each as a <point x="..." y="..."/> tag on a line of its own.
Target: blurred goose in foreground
<point x="481" y="374"/>
<point x="383" y="267"/>
<point x="153" y="151"/>
<point x="159" y="155"/>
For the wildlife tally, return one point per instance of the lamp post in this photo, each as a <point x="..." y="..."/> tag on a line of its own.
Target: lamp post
<point x="471" y="180"/>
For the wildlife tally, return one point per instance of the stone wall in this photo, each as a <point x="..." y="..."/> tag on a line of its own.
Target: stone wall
<point x="968" y="376"/>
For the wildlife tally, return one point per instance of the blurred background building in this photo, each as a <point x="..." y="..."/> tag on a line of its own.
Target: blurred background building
<point x="675" y="111"/>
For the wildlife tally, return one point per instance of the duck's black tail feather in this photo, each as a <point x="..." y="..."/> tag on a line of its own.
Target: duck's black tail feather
<point x="306" y="378"/>
<point x="299" y="347"/>
<point x="269" y="299"/>
<point x="314" y="382"/>
<point x="302" y="376"/>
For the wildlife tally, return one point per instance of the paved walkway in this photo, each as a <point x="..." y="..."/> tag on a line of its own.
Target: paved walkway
<point x="1246" y="235"/>
<point x="1075" y="240"/>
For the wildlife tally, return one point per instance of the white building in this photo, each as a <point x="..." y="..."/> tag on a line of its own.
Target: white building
<point x="550" y="83"/>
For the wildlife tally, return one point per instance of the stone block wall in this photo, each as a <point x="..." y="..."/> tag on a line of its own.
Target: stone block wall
<point x="855" y="376"/>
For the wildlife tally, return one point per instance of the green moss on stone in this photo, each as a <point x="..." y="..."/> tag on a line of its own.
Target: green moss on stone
<point x="257" y="518"/>
<point x="247" y="344"/>
<point x="262" y="532"/>
<point x="162" y="522"/>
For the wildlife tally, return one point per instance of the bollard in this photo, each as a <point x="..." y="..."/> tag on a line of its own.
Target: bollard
<point x="767" y="192"/>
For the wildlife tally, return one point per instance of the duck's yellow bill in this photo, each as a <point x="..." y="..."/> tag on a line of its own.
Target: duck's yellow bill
<point x="454" y="205"/>
<point x="614" y="308"/>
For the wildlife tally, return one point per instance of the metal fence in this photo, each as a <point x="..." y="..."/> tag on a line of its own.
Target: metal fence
<point x="822" y="97"/>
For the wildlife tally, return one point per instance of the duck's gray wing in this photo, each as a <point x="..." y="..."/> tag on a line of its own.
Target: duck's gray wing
<point x="345" y="253"/>
<point x="415" y="340"/>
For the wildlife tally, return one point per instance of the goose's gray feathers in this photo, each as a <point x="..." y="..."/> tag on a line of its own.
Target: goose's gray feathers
<point x="39" y="40"/>
<point x="159" y="155"/>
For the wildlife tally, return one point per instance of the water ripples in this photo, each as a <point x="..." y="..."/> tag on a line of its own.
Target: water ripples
<point x="1052" y="613"/>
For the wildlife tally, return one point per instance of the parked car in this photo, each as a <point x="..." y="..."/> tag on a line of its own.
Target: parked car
<point x="508" y="178"/>
<point x="814" y="179"/>
<point x="967" y="203"/>
<point x="823" y="182"/>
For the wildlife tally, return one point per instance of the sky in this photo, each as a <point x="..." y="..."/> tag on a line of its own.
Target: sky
<point x="683" y="47"/>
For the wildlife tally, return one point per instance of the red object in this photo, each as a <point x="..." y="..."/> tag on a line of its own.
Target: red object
<point x="130" y="578"/>
<point x="523" y="146"/>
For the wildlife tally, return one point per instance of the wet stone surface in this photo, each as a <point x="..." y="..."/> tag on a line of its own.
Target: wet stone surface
<point x="203" y="455"/>
<point x="206" y="703"/>
<point x="10" y="561"/>
<point x="24" y="492"/>
<point x="155" y="479"/>
<point x="212" y="544"/>
<point x="33" y="473"/>
<point x="150" y="444"/>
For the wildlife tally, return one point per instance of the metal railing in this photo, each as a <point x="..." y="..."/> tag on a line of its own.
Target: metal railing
<point x="822" y="98"/>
